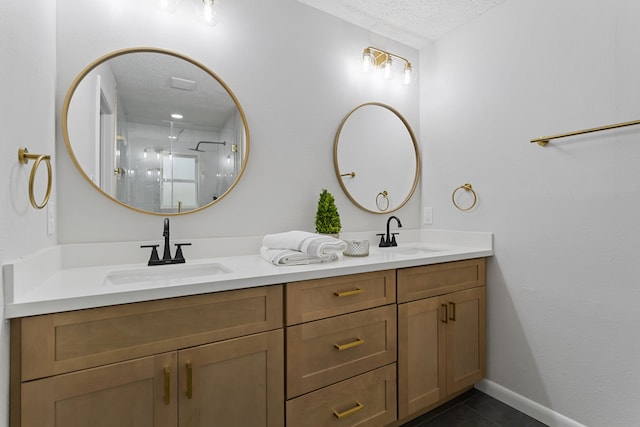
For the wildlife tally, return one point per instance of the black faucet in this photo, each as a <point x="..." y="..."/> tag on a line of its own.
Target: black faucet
<point x="390" y="238"/>
<point x="166" y="256"/>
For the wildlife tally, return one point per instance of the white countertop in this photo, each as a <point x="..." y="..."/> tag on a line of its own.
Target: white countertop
<point x="64" y="278"/>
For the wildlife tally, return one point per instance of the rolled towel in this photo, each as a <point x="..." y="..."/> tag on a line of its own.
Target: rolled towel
<point x="312" y="244"/>
<point x="291" y="257"/>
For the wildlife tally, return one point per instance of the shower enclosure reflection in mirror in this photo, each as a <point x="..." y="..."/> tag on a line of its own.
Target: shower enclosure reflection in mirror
<point x="155" y="131"/>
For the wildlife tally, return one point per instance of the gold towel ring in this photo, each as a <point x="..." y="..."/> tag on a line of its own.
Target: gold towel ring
<point x="466" y="187"/>
<point x="381" y="198"/>
<point x="23" y="158"/>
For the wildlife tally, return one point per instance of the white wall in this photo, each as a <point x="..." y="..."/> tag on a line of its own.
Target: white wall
<point x="27" y="49"/>
<point x="296" y="73"/>
<point x="563" y="286"/>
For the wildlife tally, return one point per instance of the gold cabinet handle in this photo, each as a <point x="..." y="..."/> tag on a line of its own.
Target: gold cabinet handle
<point x="452" y="311"/>
<point x="347" y="346"/>
<point x="189" y="381"/>
<point x="167" y="386"/>
<point x="341" y="415"/>
<point x="348" y="293"/>
<point x="444" y="318"/>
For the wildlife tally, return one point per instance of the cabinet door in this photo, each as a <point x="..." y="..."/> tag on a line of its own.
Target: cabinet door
<point x="466" y="338"/>
<point x="238" y="382"/>
<point x="137" y="393"/>
<point x="421" y="355"/>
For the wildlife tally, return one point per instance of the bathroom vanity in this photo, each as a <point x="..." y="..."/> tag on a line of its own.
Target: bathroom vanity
<point x="371" y="341"/>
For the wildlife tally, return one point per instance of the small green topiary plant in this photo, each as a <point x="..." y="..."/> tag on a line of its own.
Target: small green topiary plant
<point x="327" y="217"/>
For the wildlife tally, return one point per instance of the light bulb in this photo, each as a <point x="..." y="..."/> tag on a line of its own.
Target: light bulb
<point x="387" y="68"/>
<point x="145" y="153"/>
<point x="208" y="14"/>
<point x="366" y="60"/>
<point x="407" y="74"/>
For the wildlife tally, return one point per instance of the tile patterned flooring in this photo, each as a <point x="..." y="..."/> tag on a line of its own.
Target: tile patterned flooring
<point x="474" y="409"/>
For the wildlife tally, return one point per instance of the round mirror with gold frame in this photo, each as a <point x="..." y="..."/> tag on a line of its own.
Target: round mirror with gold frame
<point x="155" y="131"/>
<point x="376" y="158"/>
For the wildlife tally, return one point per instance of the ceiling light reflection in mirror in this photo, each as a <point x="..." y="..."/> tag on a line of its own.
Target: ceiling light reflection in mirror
<point x="155" y="131"/>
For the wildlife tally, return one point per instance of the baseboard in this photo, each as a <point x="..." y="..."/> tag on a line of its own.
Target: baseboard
<point x="533" y="409"/>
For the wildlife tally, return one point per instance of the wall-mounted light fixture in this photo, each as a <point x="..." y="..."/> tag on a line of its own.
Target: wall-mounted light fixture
<point x="206" y="12"/>
<point x="373" y="57"/>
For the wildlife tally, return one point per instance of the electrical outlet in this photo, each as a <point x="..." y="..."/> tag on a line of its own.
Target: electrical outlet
<point x="427" y="216"/>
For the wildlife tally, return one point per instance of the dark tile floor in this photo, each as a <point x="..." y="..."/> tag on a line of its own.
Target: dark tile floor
<point x="474" y="409"/>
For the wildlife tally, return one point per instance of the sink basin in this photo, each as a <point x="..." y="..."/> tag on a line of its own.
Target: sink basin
<point x="164" y="274"/>
<point x="412" y="250"/>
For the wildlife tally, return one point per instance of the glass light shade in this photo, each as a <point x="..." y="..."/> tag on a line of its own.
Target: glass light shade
<point x="387" y="68"/>
<point x="407" y="74"/>
<point x="366" y="60"/>
<point x="206" y="12"/>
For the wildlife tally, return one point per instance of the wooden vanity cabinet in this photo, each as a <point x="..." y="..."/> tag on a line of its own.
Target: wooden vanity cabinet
<point x="441" y="332"/>
<point x="187" y="361"/>
<point x="368" y="349"/>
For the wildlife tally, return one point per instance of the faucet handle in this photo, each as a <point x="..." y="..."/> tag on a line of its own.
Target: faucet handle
<point x="393" y="239"/>
<point x="154" y="259"/>
<point x="383" y="242"/>
<point x="179" y="258"/>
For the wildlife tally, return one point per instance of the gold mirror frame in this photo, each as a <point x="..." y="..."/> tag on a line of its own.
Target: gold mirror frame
<point x="380" y="195"/>
<point x="76" y="82"/>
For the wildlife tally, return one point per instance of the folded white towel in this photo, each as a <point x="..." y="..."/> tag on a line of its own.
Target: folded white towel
<point x="291" y="257"/>
<point x="312" y="244"/>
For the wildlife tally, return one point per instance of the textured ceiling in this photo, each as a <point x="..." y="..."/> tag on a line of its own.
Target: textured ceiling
<point x="412" y="22"/>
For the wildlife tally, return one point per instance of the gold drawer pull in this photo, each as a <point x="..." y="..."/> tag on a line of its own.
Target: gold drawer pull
<point x="348" y="293"/>
<point x="347" y="346"/>
<point x="167" y="386"/>
<point x="341" y="415"/>
<point x="452" y="309"/>
<point x="189" y="381"/>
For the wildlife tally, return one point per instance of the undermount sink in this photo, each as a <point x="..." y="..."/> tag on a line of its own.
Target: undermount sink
<point x="164" y="274"/>
<point x="412" y="250"/>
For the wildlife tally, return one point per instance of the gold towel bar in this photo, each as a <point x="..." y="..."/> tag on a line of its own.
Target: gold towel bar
<point x="23" y="157"/>
<point x="544" y="140"/>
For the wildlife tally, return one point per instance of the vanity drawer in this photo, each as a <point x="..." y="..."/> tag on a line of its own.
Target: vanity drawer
<point x="316" y="299"/>
<point x="368" y="399"/>
<point x="328" y="351"/>
<point x="64" y="342"/>
<point x="437" y="279"/>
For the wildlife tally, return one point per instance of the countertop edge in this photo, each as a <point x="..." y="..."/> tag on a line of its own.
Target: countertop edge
<point x="273" y="276"/>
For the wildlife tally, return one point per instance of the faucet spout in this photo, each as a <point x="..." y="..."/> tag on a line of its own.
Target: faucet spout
<point x="166" y="256"/>
<point x="167" y="250"/>
<point x="389" y="240"/>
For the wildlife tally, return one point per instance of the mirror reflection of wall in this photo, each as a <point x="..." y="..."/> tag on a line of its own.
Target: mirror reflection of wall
<point x="155" y="132"/>
<point x="376" y="158"/>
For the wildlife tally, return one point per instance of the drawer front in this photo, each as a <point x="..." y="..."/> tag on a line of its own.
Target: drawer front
<point x="316" y="299"/>
<point x="328" y="351"/>
<point x="63" y="342"/>
<point x="366" y="400"/>
<point x="431" y="280"/>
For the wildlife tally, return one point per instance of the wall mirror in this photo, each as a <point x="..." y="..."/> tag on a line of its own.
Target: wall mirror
<point x="376" y="158"/>
<point x="155" y="131"/>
